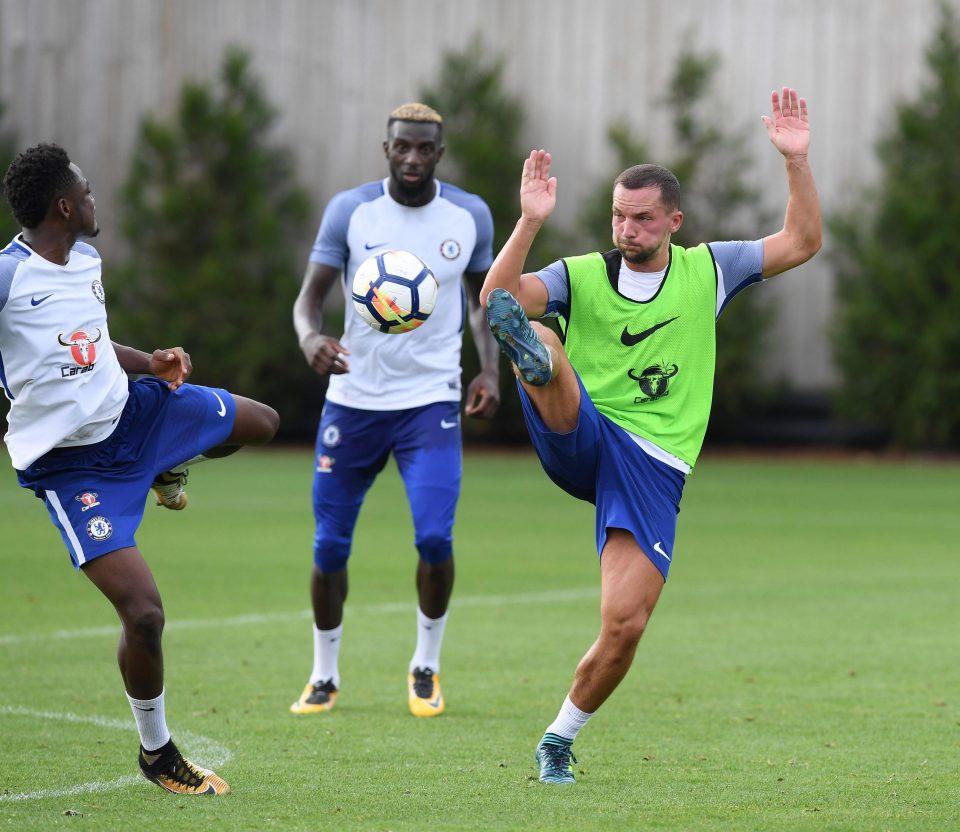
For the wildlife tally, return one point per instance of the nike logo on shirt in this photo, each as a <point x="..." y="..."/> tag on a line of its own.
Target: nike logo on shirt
<point x="37" y="302"/>
<point x="630" y="340"/>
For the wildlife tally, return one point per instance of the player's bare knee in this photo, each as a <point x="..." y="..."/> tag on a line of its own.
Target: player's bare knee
<point x="267" y="423"/>
<point x="256" y="423"/>
<point x="143" y="623"/>
<point x="627" y="630"/>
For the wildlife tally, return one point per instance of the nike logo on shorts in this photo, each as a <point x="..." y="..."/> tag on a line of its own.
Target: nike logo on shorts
<point x="447" y="425"/>
<point x="223" y="408"/>
<point x="659" y="550"/>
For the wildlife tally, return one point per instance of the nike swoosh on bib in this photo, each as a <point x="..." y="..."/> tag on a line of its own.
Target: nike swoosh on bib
<point x="629" y="340"/>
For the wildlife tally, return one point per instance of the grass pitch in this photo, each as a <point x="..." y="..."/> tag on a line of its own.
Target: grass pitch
<point x="801" y="671"/>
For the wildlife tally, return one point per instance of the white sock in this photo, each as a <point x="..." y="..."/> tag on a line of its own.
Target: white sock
<point x="429" y="641"/>
<point x="569" y="721"/>
<point x="151" y="721"/>
<point x="179" y="469"/>
<point x="326" y="655"/>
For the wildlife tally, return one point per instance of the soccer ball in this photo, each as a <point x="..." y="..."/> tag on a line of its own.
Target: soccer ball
<point x="394" y="291"/>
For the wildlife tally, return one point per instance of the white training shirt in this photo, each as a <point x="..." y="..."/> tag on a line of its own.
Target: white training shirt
<point x="57" y="364"/>
<point x="452" y="234"/>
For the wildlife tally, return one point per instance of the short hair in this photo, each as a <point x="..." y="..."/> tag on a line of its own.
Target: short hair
<point x="415" y="111"/>
<point x="652" y="176"/>
<point x="36" y="177"/>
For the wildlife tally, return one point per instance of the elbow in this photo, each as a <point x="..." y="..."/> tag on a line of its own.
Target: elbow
<point x="813" y="243"/>
<point x="814" y="236"/>
<point x="807" y="244"/>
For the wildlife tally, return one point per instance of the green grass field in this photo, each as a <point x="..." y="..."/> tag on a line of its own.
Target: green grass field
<point x="801" y="671"/>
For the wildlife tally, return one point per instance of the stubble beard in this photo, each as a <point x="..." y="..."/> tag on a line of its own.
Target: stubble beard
<point x="638" y="256"/>
<point x="413" y="193"/>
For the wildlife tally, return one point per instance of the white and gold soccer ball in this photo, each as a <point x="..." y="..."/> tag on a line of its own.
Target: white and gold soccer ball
<point x="394" y="291"/>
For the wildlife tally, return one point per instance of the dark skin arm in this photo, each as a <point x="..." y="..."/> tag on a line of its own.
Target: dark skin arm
<point x="324" y="354"/>
<point x="483" y="392"/>
<point x="172" y="365"/>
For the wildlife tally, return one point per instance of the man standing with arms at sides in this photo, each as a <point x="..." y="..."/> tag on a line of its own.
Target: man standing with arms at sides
<point x="618" y="411"/>
<point x="395" y="393"/>
<point x="90" y="442"/>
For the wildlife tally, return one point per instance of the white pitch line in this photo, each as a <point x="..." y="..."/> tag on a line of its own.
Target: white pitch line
<point x="211" y="753"/>
<point x="546" y="597"/>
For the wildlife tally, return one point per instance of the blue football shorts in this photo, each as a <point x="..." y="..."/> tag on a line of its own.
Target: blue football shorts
<point x="598" y="462"/>
<point x="95" y="494"/>
<point x="352" y="448"/>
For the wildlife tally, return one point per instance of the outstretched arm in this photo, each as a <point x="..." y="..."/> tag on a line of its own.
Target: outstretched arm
<point x="802" y="232"/>
<point x="538" y="197"/>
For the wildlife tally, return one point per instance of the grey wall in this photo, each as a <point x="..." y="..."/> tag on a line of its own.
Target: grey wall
<point x="83" y="72"/>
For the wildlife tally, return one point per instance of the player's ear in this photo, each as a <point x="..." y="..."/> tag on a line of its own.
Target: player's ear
<point x="64" y="207"/>
<point x="440" y="151"/>
<point x="386" y="148"/>
<point x="676" y="221"/>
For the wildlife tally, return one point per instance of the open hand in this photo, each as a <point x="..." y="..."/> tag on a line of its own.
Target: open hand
<point x="538" y="189"/>
<point x="787" y="126"/>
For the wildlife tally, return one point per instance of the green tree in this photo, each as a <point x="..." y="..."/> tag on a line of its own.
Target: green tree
<point x="8" y="149"/>
<point x="483" y="125"/>
<point x="709" y="159"/>
<point x="215" y="221"/>
<point x="8" y="225"/>
<point x="896" y="338"/>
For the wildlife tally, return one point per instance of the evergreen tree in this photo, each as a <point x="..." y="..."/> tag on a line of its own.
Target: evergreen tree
<point x="8" y="150"/>
<point x="215" y="224"/>
<point x="896" y="336"/>
<point x="718" y="204"/>
<point x="483" y="124"/>
<point x="8" y="225"/>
